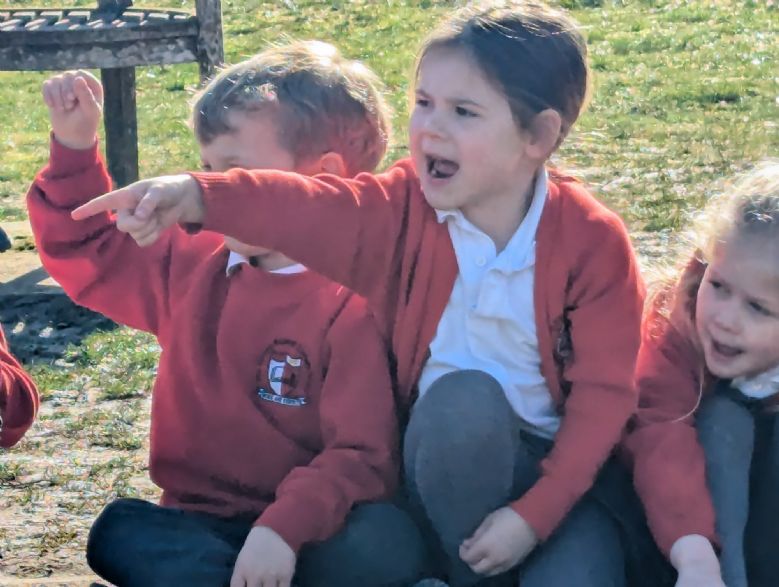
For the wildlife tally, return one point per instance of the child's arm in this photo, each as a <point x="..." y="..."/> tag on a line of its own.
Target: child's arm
<point x="359" y="432"/>
<point x="668" y="462"/>
<point x="349" y="230"/>
<point x="603" y="300"/>
<point x="97" y="265"/>
<point x="18" y="398"/>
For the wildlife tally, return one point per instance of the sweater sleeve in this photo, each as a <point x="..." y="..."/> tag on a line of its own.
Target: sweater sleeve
<point x="358" y="421"/>
<point x="603" y="314"/>
<point x="98" y="266"/>
<point x="350" y="230"/>
<point x="18" y="398"/>
<point x="669" y="469"/>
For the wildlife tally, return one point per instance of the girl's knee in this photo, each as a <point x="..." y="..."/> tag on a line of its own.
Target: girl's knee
<point x="465" y="403"/>
<point x="720" y="414"/>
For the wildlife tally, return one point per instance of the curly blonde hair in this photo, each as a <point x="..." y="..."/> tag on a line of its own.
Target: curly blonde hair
<point x="747" y="207"/>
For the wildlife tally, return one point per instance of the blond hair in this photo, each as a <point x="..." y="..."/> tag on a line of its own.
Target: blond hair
<point x="324" y="102"/>
<point x="747" y="207"/>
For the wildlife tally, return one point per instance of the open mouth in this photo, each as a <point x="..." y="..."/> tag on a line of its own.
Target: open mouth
<point x="439" y="168"/>
<point x="725" y="350"/>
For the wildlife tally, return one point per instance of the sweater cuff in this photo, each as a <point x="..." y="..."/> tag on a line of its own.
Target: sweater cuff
<point x="216" y="189"/>
<point x="544" y="506"/>
<point x="64" y="161"/>
<point x="295" y="520"/>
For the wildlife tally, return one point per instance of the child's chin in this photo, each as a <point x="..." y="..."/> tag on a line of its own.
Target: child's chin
<point x="723" y="370"/>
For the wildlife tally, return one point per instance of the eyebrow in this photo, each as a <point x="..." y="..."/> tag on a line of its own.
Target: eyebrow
<point x="769" y="303"/>
<point x="456" y="101"/>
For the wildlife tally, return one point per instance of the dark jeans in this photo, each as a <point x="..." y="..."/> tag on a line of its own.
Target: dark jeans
<point x="466" y="456"/>
<point x="741" y="444"/>
<point x="134" y="543"/>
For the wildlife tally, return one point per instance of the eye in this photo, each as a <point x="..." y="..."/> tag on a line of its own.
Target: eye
<point x="715" y="284"/>
<point x="205" y="166"/>
<point x="422" y="102"/>
<point x="760" y="309"/>
<point x="462" y="111"/>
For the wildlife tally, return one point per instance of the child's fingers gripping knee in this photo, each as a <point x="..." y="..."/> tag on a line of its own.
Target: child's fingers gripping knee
<point x="486" y="566"/>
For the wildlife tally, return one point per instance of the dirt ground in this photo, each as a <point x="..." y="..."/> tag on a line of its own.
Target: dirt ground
<point x="82" y="451"/>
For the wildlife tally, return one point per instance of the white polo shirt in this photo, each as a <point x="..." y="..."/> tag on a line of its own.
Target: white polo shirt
<point x="235" y="260"/>
<point x="489" y="321"/>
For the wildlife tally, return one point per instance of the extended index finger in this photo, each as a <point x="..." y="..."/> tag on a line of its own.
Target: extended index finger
<point x="126" y="198"/>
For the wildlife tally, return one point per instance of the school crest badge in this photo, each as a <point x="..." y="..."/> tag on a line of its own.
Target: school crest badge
<point x="283" y="374"/>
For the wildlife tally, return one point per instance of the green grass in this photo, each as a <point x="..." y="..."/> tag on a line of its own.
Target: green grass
<point x="114" y="365"/>
<point x="685" y="92"/>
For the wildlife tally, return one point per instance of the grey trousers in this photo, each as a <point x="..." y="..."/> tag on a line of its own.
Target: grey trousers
<point x="465" y="456"/>
<point x="134" y="543"/>
<point x="741" y="444"/>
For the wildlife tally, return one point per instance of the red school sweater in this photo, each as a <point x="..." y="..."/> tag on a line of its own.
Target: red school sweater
<point x="18" y="397"/>
<point x="669" y="468"/>
<point x="272" y="396"/>
<point x="377" y="235"/>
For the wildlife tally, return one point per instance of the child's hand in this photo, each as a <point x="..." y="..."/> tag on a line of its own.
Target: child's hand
<point x="75" y="101"/>
<point x="699" y="576"/>
<point x="696" y="562"/>
<point x="501" y="542"/>
<point x="264" y="561"/>
<point x="148" y="207"/>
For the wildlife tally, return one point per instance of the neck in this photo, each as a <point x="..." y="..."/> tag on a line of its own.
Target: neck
<point x="271" y="261"/>
<point x="500" y="215"/>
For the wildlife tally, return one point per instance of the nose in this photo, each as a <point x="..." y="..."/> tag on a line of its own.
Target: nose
<point x="727" y="316"/>
<point x="431" y="123"/>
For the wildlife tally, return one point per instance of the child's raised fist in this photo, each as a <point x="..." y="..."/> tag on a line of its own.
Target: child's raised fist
<point x="75" y="101"/>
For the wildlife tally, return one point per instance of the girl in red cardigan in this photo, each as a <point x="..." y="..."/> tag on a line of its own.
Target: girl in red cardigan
<point x="705" y="442"/>
<point x="510" y="297"/>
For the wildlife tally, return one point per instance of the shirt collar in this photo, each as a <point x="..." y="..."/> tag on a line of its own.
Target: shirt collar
<point x="235" y="260"/>
<point x="519" y="252"/>
<point x="760" y="386"/>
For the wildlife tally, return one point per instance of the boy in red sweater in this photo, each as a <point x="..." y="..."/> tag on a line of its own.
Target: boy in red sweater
<point x="272" y="412"/>
<point x="18" y="397"/>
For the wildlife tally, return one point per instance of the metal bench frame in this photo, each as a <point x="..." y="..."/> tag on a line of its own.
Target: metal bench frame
<point x="37" y="39"/>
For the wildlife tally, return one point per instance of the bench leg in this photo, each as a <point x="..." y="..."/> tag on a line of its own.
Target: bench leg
<point x="121" y="125"/>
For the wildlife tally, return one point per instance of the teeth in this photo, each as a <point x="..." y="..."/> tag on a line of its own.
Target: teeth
<point x="726" y="350"/>
<point x="441" y="168"/>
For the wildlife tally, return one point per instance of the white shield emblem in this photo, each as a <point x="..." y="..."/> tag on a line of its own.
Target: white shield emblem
<point x="276" y="376"/>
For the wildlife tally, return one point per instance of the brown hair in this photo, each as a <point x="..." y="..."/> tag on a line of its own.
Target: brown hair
<point x="534" y="54"/>
<point x="325" y="102"/>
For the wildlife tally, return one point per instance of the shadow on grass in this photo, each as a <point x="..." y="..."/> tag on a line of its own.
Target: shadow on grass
<point x="41" y="326"/>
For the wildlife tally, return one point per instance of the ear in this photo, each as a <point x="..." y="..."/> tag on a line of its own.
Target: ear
<point x="546" y="134"/>
<point x="331" y="162"/>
